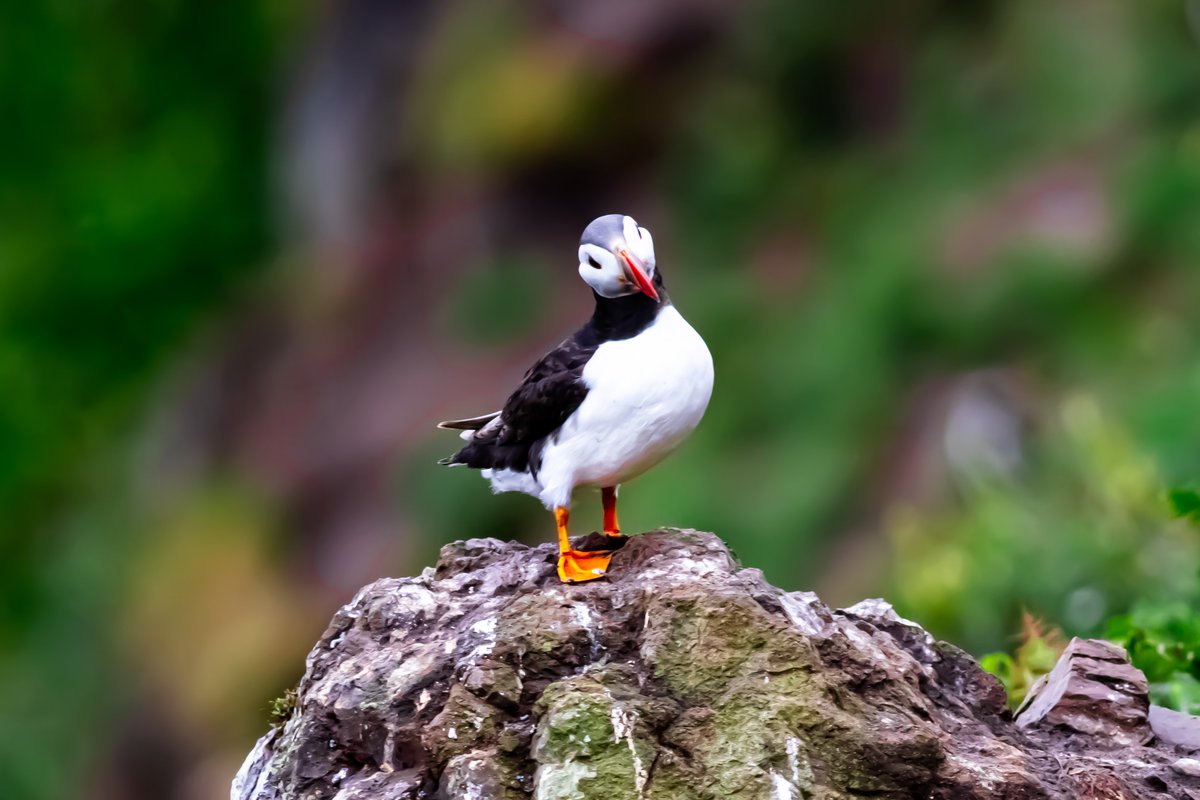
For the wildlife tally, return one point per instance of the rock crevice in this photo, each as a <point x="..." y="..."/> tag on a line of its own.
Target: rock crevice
<point x="681" y="675"/>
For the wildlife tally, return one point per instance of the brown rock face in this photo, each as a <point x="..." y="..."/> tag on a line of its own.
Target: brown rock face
<point x="679" y="676"/>
<point x="1094" y="690"/>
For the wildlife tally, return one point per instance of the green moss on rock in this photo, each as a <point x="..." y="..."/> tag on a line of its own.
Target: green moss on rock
<point x="700" y="642"/>
<point x="593" y="740"/>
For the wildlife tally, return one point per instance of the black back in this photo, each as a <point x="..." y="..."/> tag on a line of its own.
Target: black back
<point x="553" y="387"/>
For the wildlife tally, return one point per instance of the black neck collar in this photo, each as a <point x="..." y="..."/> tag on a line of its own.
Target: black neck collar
<point x="625" y="317"/>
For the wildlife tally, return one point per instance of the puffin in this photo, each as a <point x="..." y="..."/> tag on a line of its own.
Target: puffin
<point x="606" y="404"/>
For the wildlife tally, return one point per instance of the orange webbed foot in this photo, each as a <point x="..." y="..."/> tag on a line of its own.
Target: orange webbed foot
<point x="577" y="566"/>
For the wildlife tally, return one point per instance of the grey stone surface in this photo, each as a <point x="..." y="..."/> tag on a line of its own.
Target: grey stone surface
<point x="679" y="676"/>
<point x="1093" y="690"/>
<point x="1175" y="728"/>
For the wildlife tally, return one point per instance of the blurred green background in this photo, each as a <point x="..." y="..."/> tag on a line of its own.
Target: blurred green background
<point x="946" y="256"/>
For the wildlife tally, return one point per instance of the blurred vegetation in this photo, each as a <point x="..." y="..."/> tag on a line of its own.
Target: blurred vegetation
<point x="946" y="256"/>
<point x="1163" y="640"/>
<point x="133" y="204"/>
<point x="1034" y="657"/>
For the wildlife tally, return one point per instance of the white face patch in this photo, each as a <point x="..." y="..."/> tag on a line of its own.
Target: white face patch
<point x="600" y="270"/>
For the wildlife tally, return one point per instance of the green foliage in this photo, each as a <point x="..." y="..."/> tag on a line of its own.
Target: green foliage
<point x="1034" y="657"/>
<point x="1163" y="640"/>
<point x="1185" y="503"/>
<point x="1078" y="534"/>
<point x="280" y="709"/>
<point x="133" y="204"/>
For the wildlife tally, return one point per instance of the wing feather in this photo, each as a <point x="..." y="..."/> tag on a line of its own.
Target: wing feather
<point x="550" y="392"/>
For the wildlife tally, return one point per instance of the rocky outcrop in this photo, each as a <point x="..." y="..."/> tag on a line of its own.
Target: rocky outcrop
<point x="1093" y="690"/>
<point x="682" y="676"/>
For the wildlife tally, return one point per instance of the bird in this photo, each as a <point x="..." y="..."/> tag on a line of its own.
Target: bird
<point x="605" y="405"/>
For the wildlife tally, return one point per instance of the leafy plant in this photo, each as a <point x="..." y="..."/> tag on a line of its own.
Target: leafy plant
<point x="1035" y="656"/>
<point x="1161" y="637"/>
<point x="281" y="708"/>
<point x="1185" y="504"/>
<point x="1163" y="640"/>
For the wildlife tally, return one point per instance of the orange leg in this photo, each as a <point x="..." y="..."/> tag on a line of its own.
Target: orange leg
<point x="576" y="566"/>
<point x="608" y="496"/>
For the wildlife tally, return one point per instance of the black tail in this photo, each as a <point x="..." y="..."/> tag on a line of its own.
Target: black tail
<point x="472" y="424"/>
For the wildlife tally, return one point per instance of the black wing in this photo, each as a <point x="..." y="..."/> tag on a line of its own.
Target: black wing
<point x="551" y="391"/>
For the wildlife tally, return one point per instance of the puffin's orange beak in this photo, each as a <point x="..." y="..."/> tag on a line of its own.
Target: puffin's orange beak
<point x="639" y="276"/>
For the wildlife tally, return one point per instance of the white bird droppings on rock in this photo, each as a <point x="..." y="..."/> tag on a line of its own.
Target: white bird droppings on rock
<point x="560" y="781"/>
<point x="624" y="722"/>
<point x="487" y="629"/>
<point x="781" y="788"/>
<point x="792" y="747"/>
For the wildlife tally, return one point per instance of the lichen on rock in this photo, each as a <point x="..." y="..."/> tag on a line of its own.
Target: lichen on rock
<point x="679" y="676"/>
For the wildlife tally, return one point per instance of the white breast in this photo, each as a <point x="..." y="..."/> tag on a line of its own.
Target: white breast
<point x="645" y="395"/>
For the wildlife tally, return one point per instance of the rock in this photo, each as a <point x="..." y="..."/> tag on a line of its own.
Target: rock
<point x="679" y="676"/>
<point x="1094" y="690"/>
<point x="1172" y="727"/>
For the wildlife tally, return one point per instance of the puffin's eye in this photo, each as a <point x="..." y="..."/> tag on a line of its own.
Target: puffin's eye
<point x="595" y="264"/>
